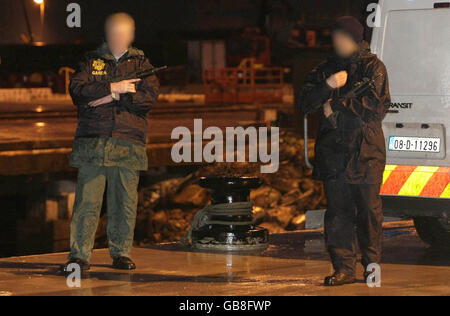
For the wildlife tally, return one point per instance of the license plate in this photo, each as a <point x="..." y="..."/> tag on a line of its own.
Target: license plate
<point x="420" y="144"/>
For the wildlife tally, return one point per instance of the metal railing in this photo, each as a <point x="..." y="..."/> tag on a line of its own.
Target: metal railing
<point x="305" y="135"/>
<point x="244" y="84"/>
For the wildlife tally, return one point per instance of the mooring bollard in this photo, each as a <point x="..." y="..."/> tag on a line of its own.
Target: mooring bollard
<point x="227" y="224"/>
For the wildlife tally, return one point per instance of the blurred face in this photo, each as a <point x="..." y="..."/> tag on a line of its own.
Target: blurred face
<point x="344" y="44"/>
<point x="119" y="36"/>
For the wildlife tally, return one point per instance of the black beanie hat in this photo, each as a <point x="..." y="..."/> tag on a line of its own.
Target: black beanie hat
<point x="351" y="26"/>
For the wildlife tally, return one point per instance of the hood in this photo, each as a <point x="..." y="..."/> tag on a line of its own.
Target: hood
<point x="363" y="51"/>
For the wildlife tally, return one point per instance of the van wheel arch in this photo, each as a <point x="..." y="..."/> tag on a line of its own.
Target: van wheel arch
<point x="433" y="231"/>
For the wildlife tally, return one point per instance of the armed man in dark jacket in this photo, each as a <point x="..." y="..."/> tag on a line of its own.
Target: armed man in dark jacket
<point x="350" y="149"/>
<point x="110" y="143"/>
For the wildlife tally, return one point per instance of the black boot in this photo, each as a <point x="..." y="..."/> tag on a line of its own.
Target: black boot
<point x="124" y="263"/>
<point x="84" y="266"/>
<point x="339" y="279"/>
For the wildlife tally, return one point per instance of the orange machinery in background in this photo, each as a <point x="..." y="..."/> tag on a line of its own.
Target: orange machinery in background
<point x="248" y="83"/>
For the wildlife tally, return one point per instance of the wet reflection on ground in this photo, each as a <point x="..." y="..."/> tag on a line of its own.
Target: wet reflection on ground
<point x="294" y="264"/>
<point x="401" y="246"/>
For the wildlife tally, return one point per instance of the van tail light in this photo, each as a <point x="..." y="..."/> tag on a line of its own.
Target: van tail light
<point x="438" y="5"/>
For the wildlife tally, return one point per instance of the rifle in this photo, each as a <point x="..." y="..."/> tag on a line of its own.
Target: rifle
<point x="139" y="74"/>
<point x="360" y="88"/>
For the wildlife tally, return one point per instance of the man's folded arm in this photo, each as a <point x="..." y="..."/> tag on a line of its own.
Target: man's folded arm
<point x="315" y="92"/>
<point x="146" y="94"/>
<point x="373" y="104"/>
<point x="83" y="90"/>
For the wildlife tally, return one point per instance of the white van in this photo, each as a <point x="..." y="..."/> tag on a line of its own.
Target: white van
<point x="413" y="40"/>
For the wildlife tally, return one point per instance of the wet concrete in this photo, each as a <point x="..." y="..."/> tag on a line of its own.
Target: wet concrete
<point x="294" y="264"/>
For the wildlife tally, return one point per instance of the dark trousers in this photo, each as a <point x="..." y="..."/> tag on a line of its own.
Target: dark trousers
<point x="354" y="215"/>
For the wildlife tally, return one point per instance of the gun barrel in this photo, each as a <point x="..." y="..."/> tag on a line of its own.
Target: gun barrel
<point x="160" y="68"/>
<point x="144" y="73"/>
<point x="140" y="74"/>
<point x="363" y="86"/>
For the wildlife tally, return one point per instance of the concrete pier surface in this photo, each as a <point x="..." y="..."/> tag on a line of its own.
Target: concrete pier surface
<point x="294" y="264"/>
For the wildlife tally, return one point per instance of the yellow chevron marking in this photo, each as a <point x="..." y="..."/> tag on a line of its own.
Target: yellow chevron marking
<point x="446" y="193"/>
<point x="417" y="181"/>
<point x="387" y="172"/>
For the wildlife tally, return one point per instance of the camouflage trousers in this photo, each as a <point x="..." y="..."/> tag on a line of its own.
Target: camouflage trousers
<point x="121" y="198"/>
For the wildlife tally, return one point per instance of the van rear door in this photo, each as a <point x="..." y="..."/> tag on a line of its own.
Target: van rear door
<point x="415" y="46"/>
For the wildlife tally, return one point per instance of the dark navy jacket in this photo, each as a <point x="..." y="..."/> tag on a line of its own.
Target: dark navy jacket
<point x="355" y="150"/>
<point x="125" y="119"/>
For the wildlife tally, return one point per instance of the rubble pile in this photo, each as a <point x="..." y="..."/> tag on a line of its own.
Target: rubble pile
<point x="166" y="209"/>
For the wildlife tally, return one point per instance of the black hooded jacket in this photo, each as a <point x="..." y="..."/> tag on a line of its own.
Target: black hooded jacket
<point x="355" y="149"/>
<point x="124" y="119"/>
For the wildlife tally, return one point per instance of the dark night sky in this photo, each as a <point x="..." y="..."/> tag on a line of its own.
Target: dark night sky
<point x="151" y="16"/>
<point x="154" y="16"/>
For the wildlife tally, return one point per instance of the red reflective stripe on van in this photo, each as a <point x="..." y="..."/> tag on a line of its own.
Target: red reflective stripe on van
<point x="437" y="183"/>
<point x="397" y="179"/>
